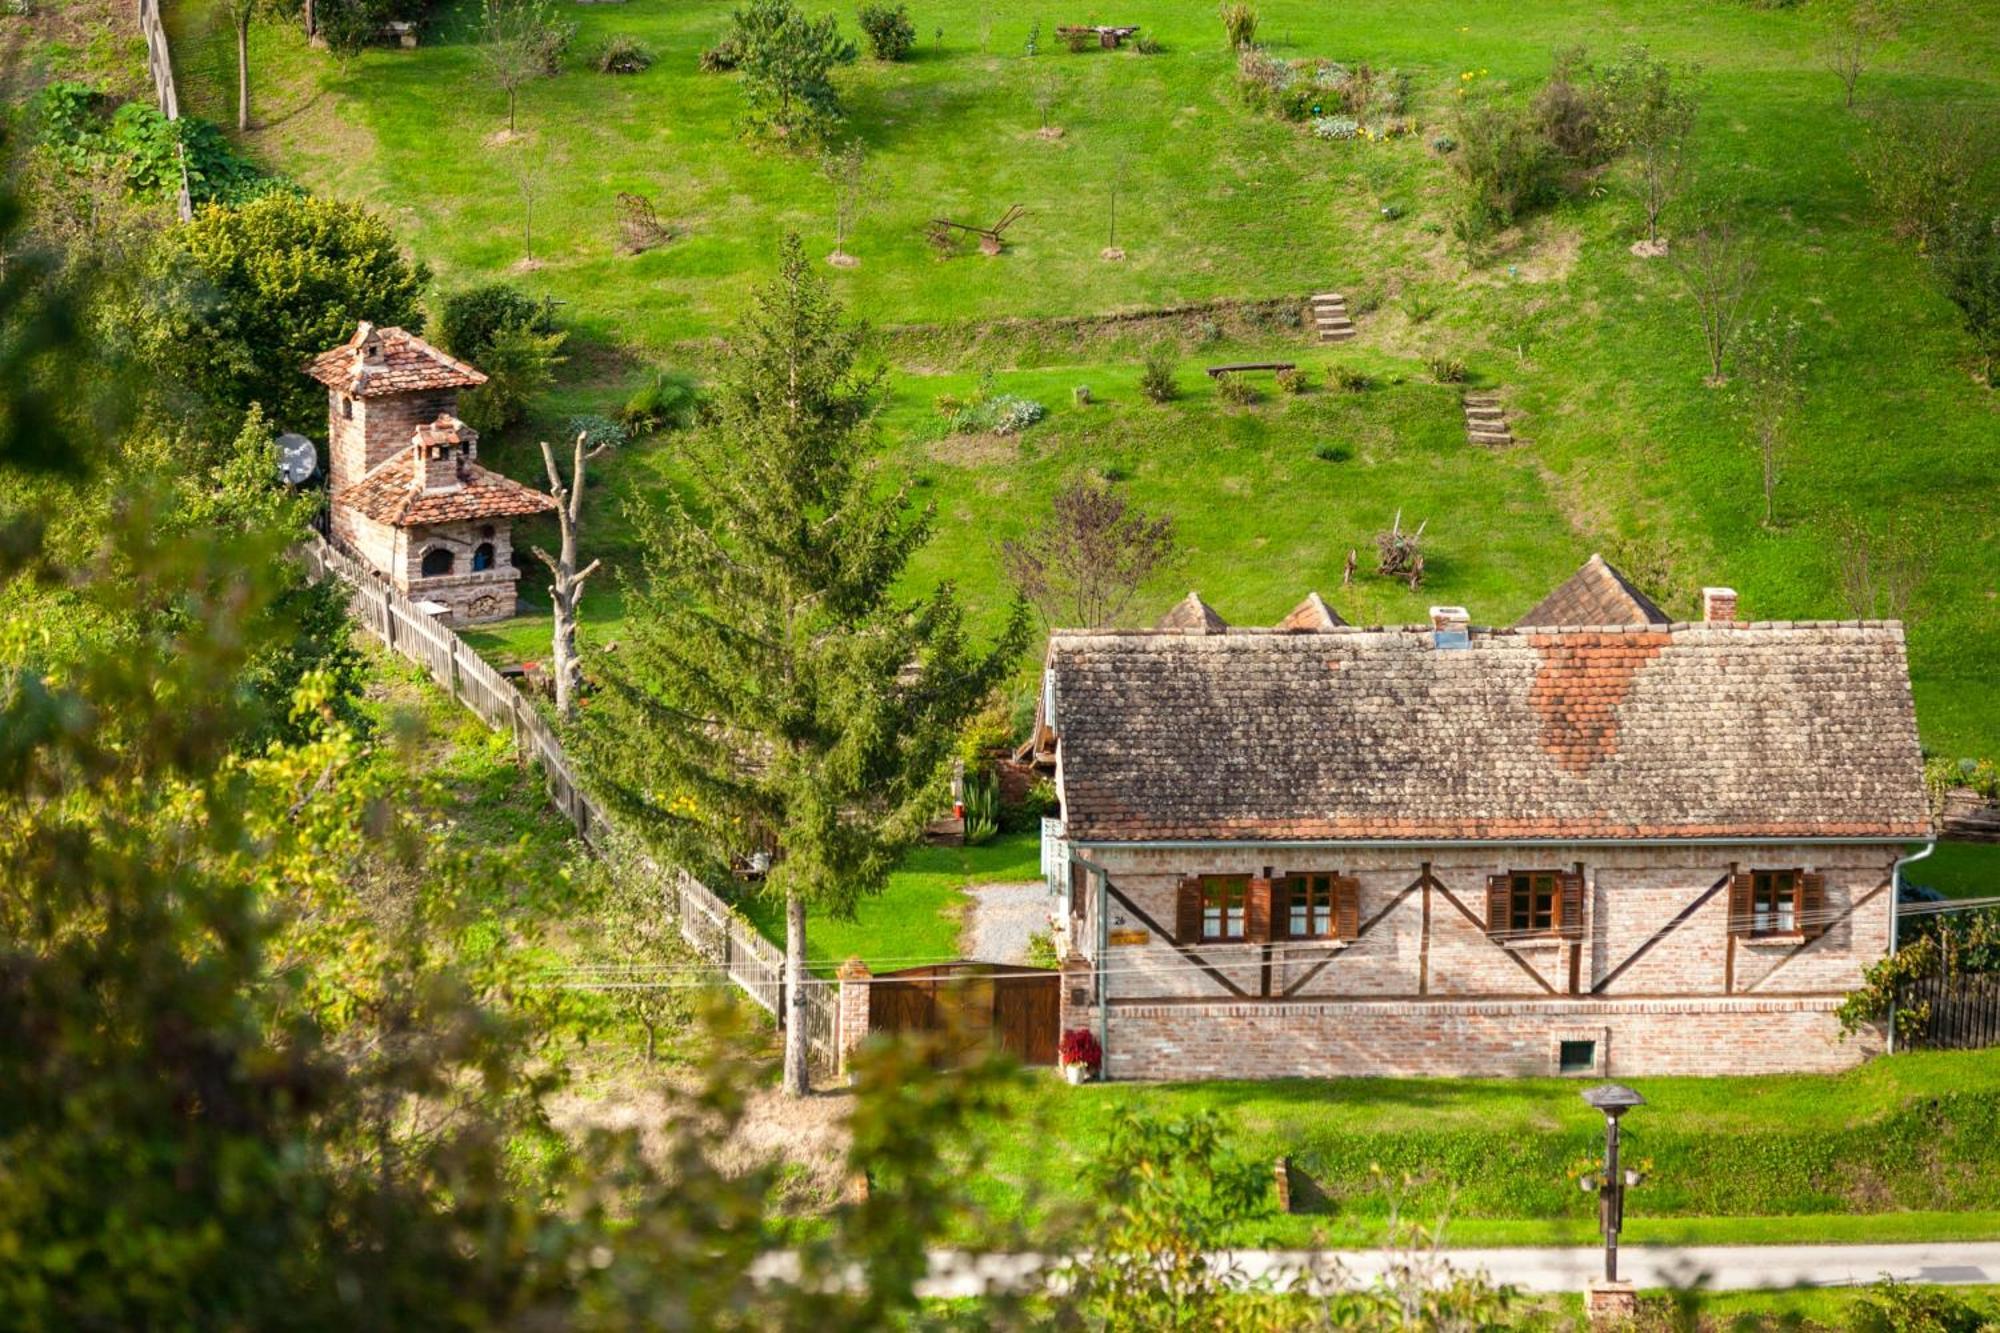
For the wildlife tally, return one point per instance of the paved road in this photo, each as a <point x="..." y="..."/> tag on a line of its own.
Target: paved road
<point x="1719" y="1267"/>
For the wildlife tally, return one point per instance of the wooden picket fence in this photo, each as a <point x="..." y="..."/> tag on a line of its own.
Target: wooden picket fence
<point x="715" y="932"/>
<point x="1962" y="1012"/>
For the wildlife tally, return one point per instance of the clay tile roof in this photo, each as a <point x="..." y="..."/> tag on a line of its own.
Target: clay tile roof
<point x="404" y="363"/>
<point x="1311" y="614"/>
<point x="1191" y="613"/>
<point x="1596" y="594"/>
<point x="389" y="495"/>
<point x="1657" y="731"/>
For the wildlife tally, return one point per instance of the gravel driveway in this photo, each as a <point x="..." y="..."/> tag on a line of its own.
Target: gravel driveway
<point x="1001" y="918"/>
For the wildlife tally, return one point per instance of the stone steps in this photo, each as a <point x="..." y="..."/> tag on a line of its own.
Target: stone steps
<point x="1330" y="317"/>
<point x="1486" y="420"/>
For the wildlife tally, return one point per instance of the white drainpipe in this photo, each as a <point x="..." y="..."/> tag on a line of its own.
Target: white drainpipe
<point x="1895" y="918"/>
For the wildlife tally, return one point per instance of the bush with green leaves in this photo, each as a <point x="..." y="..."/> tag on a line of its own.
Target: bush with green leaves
<point x="889" y="30"/>
<point x="1235" y="389"/>
<point x="1294" y="381"/>
<point x="1965" y="257"/>
<point x="1157" y="379"/>
<point x="665" y="401"/>
<point x="519" y="362"/>
<point x="1505" y="167"/>
<point x="1332" y="453"/>
<point x="470" y="319"/>
<point x="241" y="296"/>
<point x="1447" y="369"/>
<point x="1351" y="380"/>
<point x="1904" y="1307"/>
<point x="621" y="53"/>
<point x="998" y="414"/>
<point x="597" y="431"/>
<point x="85" y="132"/>
<point x="982" y="809"/>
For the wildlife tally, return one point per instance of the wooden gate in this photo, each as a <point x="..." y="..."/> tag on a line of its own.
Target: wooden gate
<point x="972" y="1005"/>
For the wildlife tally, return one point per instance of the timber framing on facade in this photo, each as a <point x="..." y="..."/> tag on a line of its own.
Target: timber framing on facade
<point x="1633" y="847"/>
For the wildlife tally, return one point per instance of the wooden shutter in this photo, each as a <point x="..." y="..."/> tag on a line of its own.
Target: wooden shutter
<point x="1346" y="907"/>
<point x="1499" y="888"/>
<point x="1739" y="903"/>
<point x="1257" y="909"/>
<point x="1811" y="907"/>
<point x="1281" y="907"/>
<point x="1569" y="905"/>
<point x="1187" y="912"/>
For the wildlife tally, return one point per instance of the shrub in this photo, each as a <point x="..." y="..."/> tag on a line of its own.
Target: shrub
<point x="1239" y="21"/>
<point x="1919" y="163"/>
<point x="890" y="32"/>
<point x="1570" y="109"/>
<point x="947" y="405"/>
<point x="1965" y="255"/>
<point x="1900" y="1307"/>
<point x="1351" y="380"/>
<point x="1148" y="46"/>
<point x="787" y="59"/>
<point x="520" y="362"/>
<point x="1332" y="453"/>
<point x="1447" y="369"/>
<point x="471" y="319"/>
<point x="1444" y="144"/>
<point x="86" y="136"/>
<point x="1235" y="390"/>
<point x="663" y="402"/>
<point x="596" y="430"/>
<point x="1041" y="951"/>
<point x="620" y="54"/>
<point x="1505" y="168"/>
<point x="1157" y="380"/>
<point x="1293" y="381"/>
<point x="998" y="414"/>
<point x="1079" y="41"/>
<point x="1080" y="395"/>
<point x="1335" y="127"/>
<point x="982" y="809"/>
<point x="724" y="56"/>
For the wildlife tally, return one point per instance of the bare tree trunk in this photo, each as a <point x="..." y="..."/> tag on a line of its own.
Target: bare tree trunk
<point x="567" y="589"/>
<point x="243" y="71"/>
<point x="798" y="1078"/>
<point x="312" y="18"/>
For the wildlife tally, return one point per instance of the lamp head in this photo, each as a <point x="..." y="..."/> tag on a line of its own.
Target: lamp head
<point x="1614" y="1099"/>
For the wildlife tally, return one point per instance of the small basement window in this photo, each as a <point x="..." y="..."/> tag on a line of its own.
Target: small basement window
<point x="1576" y="1057"/>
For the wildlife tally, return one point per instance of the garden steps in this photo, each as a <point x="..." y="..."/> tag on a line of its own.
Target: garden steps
<point x="1486" y="419"/>
<point x="1330" y="317"/>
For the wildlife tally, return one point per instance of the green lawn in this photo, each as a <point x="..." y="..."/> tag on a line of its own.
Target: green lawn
<point x="917" y="918"/>
<point x="1624" y="449"/>
<point x="1906" y="1147"/>
<point x="1960" y="870"/>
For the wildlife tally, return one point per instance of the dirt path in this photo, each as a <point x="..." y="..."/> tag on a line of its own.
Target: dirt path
<point x="1000" y="919"/>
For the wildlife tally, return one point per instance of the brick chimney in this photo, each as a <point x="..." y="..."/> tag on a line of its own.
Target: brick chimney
<point x="1450" y="626"/>
<point x="1718" y="606"/>
<point x="443" y="449"/>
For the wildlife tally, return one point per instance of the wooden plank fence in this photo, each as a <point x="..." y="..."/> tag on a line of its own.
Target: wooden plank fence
<point x="1963" y="1011"/>
<point x="707" y="923"/>
<point x="160" y="64"/>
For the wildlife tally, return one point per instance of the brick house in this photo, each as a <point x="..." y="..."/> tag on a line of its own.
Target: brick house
<point x="407" y="493"/>
<point x="1614" y="845"/>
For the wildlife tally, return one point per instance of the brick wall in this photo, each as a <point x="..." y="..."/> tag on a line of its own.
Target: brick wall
<point x="1331" y="1039"/>
<point x="363" y="432"/>
<point x="1428" y="942"/>
<point x="852" y="1012"/>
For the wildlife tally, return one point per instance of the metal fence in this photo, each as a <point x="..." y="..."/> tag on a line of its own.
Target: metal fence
<point x="160" y="63"/>
<point x="711" y="928"/>
<point x="1960" y="1012"/>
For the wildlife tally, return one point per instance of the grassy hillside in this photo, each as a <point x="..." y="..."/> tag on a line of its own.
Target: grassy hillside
<point x="1624" y="449"/>
<point x="1901" y="1148"/>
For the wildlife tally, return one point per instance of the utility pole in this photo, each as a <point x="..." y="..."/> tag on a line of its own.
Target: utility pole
<point x="1611" y="1300"/>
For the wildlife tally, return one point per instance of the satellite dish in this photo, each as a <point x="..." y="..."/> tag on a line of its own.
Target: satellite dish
<point x="297" y="459"/>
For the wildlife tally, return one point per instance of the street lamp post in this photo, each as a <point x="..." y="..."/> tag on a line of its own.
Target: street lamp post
<point x="1614" y="1100"/>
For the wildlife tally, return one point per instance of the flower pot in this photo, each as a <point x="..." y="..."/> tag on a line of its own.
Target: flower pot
<point x="1076" y="1073"/>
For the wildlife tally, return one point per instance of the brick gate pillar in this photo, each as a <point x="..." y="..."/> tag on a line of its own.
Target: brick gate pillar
<point x="852" y="1029"/>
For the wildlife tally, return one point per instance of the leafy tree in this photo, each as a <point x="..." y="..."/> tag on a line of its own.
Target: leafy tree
<point x="1650" y="115"/>
<point x="775" y="690"/>
<point x="1924" y="162"/>
<point x="787" y="61"/>
<point x="1770" y="388"/>
<point x="521" y="41"/>
<point x="1083" y="563"/>
<point x="240" y="298"/>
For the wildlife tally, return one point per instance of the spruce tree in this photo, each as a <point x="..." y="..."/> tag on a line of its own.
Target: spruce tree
<point x="777" y="690"/>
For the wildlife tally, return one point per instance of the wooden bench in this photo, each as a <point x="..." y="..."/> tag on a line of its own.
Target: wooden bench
<point x="1110" y="38"/>
<point x="1215" y="371"/>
